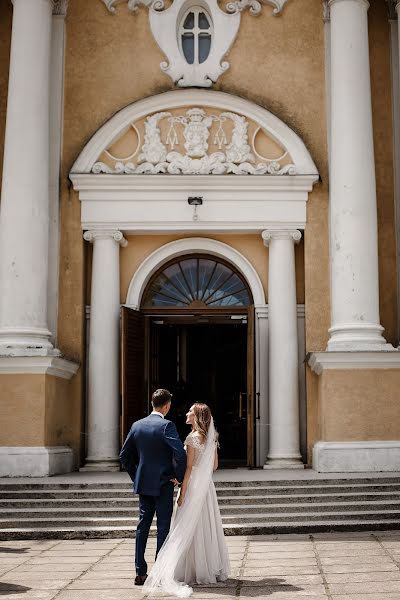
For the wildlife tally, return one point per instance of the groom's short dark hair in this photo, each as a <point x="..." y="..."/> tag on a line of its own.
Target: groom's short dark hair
<point x="160" y="398"/>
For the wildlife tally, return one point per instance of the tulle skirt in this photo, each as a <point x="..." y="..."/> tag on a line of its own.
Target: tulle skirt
<point x="207" y="559"/>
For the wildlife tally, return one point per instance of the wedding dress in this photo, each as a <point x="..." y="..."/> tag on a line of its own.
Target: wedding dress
<point x="195" y="550"/>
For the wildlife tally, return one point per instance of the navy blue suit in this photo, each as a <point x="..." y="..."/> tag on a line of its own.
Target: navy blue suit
<point x="153" y="454"/>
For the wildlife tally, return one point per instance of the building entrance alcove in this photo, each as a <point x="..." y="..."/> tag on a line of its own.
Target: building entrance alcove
<point x="251" y="176"/>
<point x="194" y="335"/>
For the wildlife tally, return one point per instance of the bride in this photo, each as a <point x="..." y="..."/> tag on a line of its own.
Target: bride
<point x="195" y="550"/>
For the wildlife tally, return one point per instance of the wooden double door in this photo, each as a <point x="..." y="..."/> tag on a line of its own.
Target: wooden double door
<point x="200" y="358"/>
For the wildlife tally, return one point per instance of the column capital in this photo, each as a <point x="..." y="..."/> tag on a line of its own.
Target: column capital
<point x="60" y="7"/>
<point x="362" y="2"/>
<point x="281" y="234"/>
<point x="103" y="234"/>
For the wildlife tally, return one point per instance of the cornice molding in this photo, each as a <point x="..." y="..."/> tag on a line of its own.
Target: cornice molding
<point x="322" y="361"/>
<point x="60" y="8"/>
<point x="38" y="365"/>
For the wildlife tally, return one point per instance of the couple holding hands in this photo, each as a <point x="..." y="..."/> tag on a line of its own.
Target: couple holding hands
<point x="191" y="547"/>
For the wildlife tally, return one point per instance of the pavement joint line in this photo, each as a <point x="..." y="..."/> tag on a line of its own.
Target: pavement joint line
<point x="377" y="539"/>
<point x="65" y="587"/>
<point x="320" y="567"/>
<point x="242" y="568"/>
<point x="56" y="543"/>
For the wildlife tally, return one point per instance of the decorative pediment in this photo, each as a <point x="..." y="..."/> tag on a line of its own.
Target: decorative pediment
<point x="195" y="141"/>
<point x="190" y="132"/>
<point x="195" y="35"/>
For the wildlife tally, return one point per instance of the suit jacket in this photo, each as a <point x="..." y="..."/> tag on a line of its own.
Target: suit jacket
<point x="153" y="454"/>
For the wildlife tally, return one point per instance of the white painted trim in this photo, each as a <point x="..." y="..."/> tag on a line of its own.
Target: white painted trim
<point x="35" y="461"/>
<point x="38" y="365"/>
<point x="190" y="246"/>
<point x="159" y="203"/>
<point x="274" y="127"/>
<point x="356" y="457"/>
<point x="320" y="361"/>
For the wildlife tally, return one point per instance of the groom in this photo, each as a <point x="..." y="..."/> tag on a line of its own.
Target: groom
<point x="155" y="459"/>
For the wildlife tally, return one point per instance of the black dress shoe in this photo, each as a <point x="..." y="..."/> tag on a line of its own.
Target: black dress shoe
<point x="140" y="579"/>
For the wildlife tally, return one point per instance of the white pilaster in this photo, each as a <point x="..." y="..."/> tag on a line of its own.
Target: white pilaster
<point x="24" y="216"/>
<point x="262" y="418"/>
<point x="103" y="398"/>
<point x="56" y="132"/>
<point x="284" y="436"/>
<point x="355" y="321"/>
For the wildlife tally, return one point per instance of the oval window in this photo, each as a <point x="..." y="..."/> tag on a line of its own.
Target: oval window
<point x="195" y="34"/>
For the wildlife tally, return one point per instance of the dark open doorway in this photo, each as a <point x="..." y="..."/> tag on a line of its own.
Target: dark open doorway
<point x="204" y="362"/>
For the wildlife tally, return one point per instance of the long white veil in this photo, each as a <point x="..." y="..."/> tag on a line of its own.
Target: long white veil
<point x="161" y="578"/>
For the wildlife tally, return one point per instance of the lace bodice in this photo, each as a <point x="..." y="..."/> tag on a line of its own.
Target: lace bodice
<point x="194" y="440"/>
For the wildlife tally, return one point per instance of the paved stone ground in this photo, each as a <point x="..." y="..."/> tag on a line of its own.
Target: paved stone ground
<point x="336" y="566"/>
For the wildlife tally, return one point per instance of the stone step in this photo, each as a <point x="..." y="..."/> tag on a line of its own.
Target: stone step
<point x="109" y="510"/>
<point x="276" y="527"/>
<point x="36" y="523"/>
<point x="228" y="510"/>
<point x="305" y="483"/>
<point x="132" y="501"/>
<point x="101" y="494"/>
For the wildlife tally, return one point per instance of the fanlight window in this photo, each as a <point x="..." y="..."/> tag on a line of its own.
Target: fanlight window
<point x="197" y="283"/>
<point x="195" y="35"/>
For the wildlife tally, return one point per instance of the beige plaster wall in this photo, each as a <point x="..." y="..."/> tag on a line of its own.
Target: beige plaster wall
<point x="251" y="246"/>
<point x="38" y="410"/>
<point x="5" y="44"/>
<point x="359" y="405"/>
<point x="278" y="63"/>
<point x="22" y="410"/>
<point x="113" y="61"/>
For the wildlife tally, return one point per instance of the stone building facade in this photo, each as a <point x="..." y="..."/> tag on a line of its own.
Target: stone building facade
<point x="203" y="196"/>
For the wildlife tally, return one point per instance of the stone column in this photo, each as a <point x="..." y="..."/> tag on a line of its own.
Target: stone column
<point x="355" y="323"/>
<point x="284" y="437"/>
<point x="24" y="215"/>
<point x="103" y="401"/>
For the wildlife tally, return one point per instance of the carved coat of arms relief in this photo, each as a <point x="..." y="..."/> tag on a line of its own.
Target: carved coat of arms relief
<point x="185" y="147"/>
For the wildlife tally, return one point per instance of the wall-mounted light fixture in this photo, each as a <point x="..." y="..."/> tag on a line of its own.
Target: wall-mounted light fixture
<point x="195" y="201"/>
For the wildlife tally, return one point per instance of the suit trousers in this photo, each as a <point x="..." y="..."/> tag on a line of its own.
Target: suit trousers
<point x="162" y="506"/>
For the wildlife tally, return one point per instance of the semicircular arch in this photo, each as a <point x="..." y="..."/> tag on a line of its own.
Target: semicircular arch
<point x="185" y="247"/>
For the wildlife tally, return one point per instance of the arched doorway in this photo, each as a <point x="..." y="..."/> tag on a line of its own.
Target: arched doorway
<point x="251" y="174"/>
<point x="195" y="333"/>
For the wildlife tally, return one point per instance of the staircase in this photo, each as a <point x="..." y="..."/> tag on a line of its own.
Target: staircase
<point x="109" y="510"/>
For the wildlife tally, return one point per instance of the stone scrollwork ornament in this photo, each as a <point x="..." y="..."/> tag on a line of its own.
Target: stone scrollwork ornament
<point x="167" y="26"/>
<point x="192" y="131"/>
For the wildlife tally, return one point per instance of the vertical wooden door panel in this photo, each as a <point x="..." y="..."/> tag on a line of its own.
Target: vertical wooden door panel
<point x="134" y="396"/>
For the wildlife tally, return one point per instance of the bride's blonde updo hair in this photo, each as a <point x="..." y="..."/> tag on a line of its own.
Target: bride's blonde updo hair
<point x="202" y="419"/>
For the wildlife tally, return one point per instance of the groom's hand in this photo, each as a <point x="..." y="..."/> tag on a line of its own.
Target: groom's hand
<point x="175" y="482"/>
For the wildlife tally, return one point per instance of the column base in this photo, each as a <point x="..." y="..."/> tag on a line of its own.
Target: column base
<point x="35" y="461"/>
<point x="356" y="457"/>
<point x="27" y="341"/>
<point x="358" y="336"/>
<point x="100" y="465"/>
<point x="283" y="463"/>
